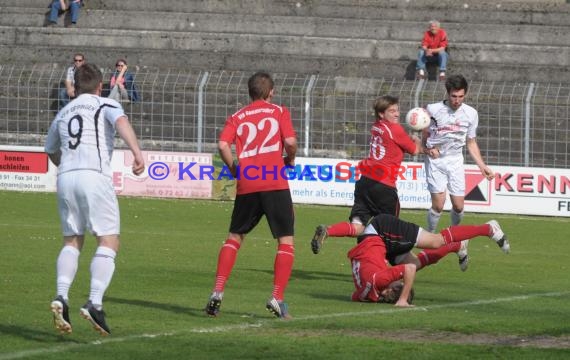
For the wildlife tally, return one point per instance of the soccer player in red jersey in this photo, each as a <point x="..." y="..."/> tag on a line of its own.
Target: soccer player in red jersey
<point x="375" y="192"/>
<point x="260" y="132"/>
<point x="386" y="238"/>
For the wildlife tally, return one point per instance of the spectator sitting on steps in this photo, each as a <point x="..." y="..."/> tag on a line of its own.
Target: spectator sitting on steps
<point x="60" y="6"/>
<point x="433" y="49"/>
<point x="67" y="93"/>
<point x="122" y="83"/>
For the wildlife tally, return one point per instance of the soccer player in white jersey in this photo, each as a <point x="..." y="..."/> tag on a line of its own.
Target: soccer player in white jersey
<point x="80" y="143"/>
<point x="454" y="126"/>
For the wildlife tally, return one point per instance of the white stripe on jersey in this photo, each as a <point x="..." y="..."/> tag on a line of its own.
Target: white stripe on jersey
<point x="451" y="128"/>
<point x="385" y="126"/>
<point x="84" y="131"/>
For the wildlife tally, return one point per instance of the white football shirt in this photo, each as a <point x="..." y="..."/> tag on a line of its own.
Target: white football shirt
<point x="84" y="131"/>
<point x="70" y="74"/>
<point x="451" y="128"/>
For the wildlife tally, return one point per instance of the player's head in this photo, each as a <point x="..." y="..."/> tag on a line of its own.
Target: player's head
<point x="391" y="294"/>
<point x="434" y="26"/>
<point x="456" y="86"/>
<point x="260" y="86"/>
<point x="386" y="107"/>
<point x="88" y="79"/>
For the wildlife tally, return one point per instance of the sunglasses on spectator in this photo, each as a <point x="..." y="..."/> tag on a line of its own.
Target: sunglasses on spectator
<point x="77" y="60"/>
<point x="119" y="64"/>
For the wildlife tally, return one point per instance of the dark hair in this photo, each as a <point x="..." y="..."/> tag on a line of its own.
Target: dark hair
<point x="121" y="60"/>
<point x="456" y="82"/>
<point x="393" y="296"/>
<point x="383" y="103"/>
<point x="87" y="79"/>
<point x="260" y="85"/>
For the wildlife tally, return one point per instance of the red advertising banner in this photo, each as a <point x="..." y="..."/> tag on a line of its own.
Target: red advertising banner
<point x="23" y="162"/>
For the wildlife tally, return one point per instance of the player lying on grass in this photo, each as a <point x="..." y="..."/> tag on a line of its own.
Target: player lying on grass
<point x="386" y="238"/>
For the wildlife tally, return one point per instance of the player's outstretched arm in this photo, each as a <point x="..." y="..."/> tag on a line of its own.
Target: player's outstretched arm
<point x="290" y="145"/>
<point x="225" y="150"/>
<point x="475" y="153"/>
<point x="53" y="143"/>
<point x="409" y="277"/>
<point x="55" y="157"/>
<point x="128" y="135"/>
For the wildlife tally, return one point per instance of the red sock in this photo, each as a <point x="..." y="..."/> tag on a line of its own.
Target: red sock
<point x="432" y="256"/>
<point x="226" y="261"/>
<point x="341" y="229"/>
<point x="282" y="269"/>
<point x="459" y="233"/>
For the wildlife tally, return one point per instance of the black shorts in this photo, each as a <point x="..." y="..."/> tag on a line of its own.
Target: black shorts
<point x="399" y="236"/>
<point x="276" y="205"/>
<point x="372" y="198"/>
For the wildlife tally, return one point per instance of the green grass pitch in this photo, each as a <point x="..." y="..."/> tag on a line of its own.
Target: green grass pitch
<point x="504" y="306"/>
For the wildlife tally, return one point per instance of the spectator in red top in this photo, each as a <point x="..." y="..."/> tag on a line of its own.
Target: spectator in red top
<point x="375" y="192"/>
<point x="260" y="132"/>
<point x="433" y="49"/>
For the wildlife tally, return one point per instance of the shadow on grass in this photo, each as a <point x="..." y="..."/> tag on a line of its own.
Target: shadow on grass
<point x="176" y="309"/>
<point x="159" y="306"/>
<point x="308" y="275"/>
<point x="35" y="334"/>
<point x="332" y="296"/>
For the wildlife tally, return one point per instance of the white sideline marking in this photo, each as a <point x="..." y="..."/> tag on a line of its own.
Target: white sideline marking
<point x="261" y="323"/>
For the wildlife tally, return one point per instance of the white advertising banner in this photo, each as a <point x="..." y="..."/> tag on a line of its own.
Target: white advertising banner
<point x="26" y="168"/>
<point x="515" y="190"/>
<point x="167" y="175"/>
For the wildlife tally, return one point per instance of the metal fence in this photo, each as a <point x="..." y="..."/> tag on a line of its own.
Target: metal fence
<point x="521" y="124"/>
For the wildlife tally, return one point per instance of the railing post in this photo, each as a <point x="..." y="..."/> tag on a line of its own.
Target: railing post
<point x="308" y="97"/>
<point x="200" y="119"/>
<point x="527" y="125"/>
<point x="417" y="104"/>
<point x="418" y="92"/>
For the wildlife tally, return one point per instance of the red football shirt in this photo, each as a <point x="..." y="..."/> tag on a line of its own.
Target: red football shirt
<point x="258" y="131"/>
<point x="370" y="272"/>
<point x="388" y="143"/>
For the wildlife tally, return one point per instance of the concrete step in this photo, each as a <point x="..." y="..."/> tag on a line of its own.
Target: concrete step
<point x="553" y="12"/>
<point x="285" y="45"/>
<point x="297" y="26"/>
<point x="275" y="63"/>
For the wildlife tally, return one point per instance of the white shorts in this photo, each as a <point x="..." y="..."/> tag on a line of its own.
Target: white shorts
<point x="446" y="172"/>
<point x="86" y="200"/>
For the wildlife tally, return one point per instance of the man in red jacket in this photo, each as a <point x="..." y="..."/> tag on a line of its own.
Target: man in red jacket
<point x="433" y="49"/>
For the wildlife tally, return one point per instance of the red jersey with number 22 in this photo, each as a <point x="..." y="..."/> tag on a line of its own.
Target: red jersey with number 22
<point x="258" y="131"/>
<point x="388" y="143"/>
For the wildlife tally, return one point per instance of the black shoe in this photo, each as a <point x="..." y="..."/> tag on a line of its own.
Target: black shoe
<point x="60" y="312"/>
<point x="95" y="317"/>
<point x="319" y="238"/>
<point x="213" y="305"/>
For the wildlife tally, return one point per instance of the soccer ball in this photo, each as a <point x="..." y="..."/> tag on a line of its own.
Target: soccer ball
<point x="418" y="118"/>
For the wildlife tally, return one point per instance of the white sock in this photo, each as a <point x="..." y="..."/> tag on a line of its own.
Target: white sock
<point x="432" y="220"/>
<point x="102" y="268"/>
<point x="456" y="217"/>
<point x="66" y="268"/>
